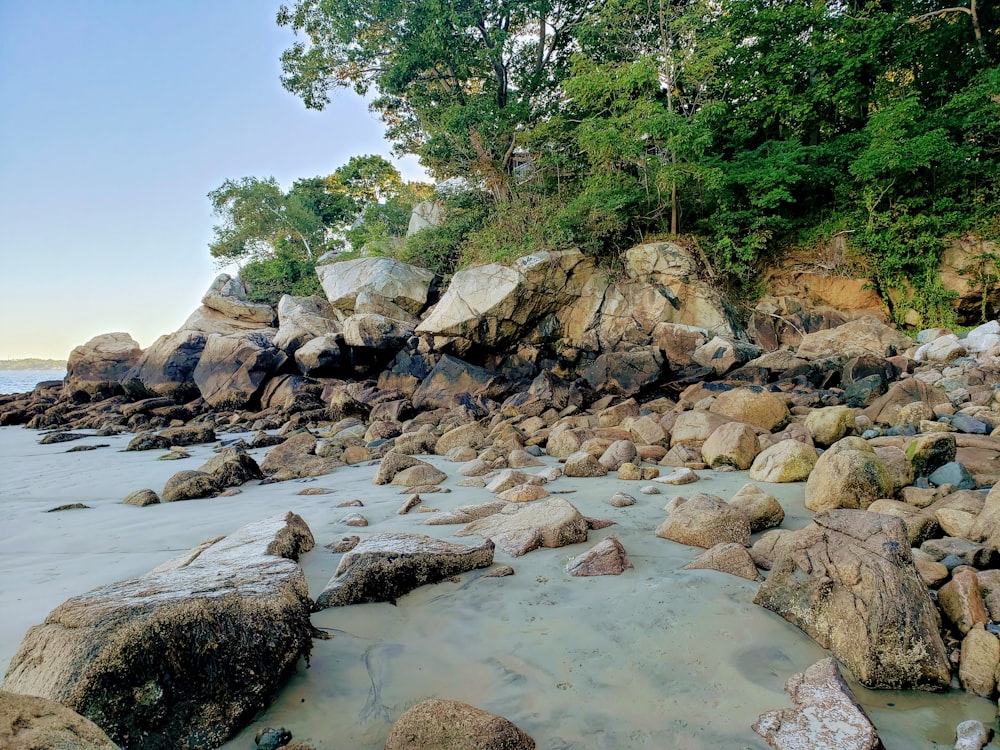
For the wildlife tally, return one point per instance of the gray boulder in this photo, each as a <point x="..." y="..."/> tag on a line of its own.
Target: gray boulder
<point x="301" y="319"/>
<point x="229" y="297"/>
<point x="400" y="283"/>
<point x="94" y="370"/>
<point x="167" y="367"/>
<point x="232" y="368"/>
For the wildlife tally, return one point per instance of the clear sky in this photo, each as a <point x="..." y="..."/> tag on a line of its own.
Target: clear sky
<point x="117" y="117"/>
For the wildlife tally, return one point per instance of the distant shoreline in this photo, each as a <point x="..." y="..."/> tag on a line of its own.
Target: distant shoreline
<point x="32" y="363"/>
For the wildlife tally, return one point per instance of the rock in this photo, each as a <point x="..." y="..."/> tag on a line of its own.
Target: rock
<point x="732" y="445"/>
<point x="493" y="305"/>
<point x="849" y="582"/>
<point x="466" y="513"/>
<point x="695" y="427"/>
<point x="233" y="368"/>
<point x="786" y="461"/>
<point x="724" y="354"/>
<point x="184" y="655"/>
<point x="229" y="297"/>
<point x="987" y="525"/>
<point x="971" y="735"/>
<point x="961" y="601"/>
<point x="829" y="425"/>
<point x="626" y="373"/>
<point x="523" y="493"/>
<point x="296" y="458"/>
<point x="952" y="473"/>
<point x="346" y="544"/>
<point x="898" y="465"/>
<point x="95" y="369"/>
<point x="885" y="409"/>
<point x="322" y="356"/>
<point x="377" y="332"/>
<point x="847" y="478"/>
<point x="270" y="738"/>
<point x="858" y="337"/>
<point x="727" y="557"/>
<point x="618" y="453"/>
<point x="826" y="715"/>
<point x="383" y="567"/>
<point x="979" y="662"/>
<point x="501" y="571"/>
<point x="31" y="723"/>
<point x="583" y="464"/>
<point x="451" y="725"/>
<point x="232" y="467"/>
<point x="209" y="321"/>
<point x="960" y="552"/>
<point x="944" y="349"/>
<point x="606" y="558"/>
<point x="920" y="525"/>
<point x="142" y="498"/>
<point x="189" y="485"/>
<point x="453" y="383"/>
<point x="464" y="436"/>
<point x="518" y="529"/>
<point x="302" y="319"/>
<point x="402" y="284"/>
<point x="621" y="500"/>
<point x="704" y="521"/>
<point x="167" y="367"/>
<point x="752" y="405"/>
<point x="678" y="477"/>
<point x="762" y="510"/>
<point x="629" y="472"/>
<point x="354" y="519"/>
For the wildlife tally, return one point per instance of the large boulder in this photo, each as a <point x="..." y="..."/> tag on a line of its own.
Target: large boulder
<point x="867" y="335"/>
<point x="626" y="373"/>
<point x="518" y="529"/>
<point x="229" y="297"/>
<point x="373" y="340"/>
<point x="853" y="477"/>
<point x="493" y="304"/>
<point x="785" y="461"/>
<point x="301" y="319"/>
<point x="453" y="382"/>
<point x="705" y="521"/>
<point x="31" y="723"/>
<point x="185" y="655"/>
<point x="94" y="370"/>
<point x="404" y="285"/>
<point x="233" y="368"/>
<point x="383" y="567"/>
<point x="451" y="725"/>
<point x="826" y="714"/>
<point x="167" y="367"/>
<point x="752" y="405"/>
<point x="732" y="445"/>
<point x="848" y="580"/>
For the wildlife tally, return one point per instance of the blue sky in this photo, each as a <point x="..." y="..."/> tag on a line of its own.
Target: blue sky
<point x="117" y="117"/>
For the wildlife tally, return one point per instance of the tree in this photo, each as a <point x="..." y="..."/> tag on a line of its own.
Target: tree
<point x="455" y="81"/>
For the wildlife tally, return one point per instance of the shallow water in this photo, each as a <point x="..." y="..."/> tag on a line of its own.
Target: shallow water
<point x="22" y="381"/>
<point x="657" y="657"/>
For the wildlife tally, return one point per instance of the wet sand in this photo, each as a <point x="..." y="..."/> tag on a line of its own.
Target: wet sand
<point x="655" y="658"/>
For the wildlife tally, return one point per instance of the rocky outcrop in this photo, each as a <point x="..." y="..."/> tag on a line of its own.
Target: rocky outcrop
<point x="383" y="567"/>
<point x="826" y="714"/>
<point x="167" y="367"/>
<point x="453" y="383"/>
<point x="186" y="654"/>
<point x="31" y="723"/>
<point x="228" y="296"/>
<point x="400" y="283"/>
<point x="451" y="725"/>
<point x="233" y="368"/>
<point x="849" y="582"/>
<point x="301" y="319"/>
<point x="866" y="335"/>
<point x="95" y="369"/>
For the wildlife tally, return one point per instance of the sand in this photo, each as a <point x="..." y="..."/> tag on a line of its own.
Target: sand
<point x="655" y="658"/>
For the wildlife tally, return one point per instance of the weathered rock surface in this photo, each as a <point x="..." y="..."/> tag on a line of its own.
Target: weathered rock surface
<point x="518" y="529"/>
<point x="229" y="297"/>
<point x="849" y="582"/>
<point x="847" y="478"/>
<point x="453" y="382"/>
<point x="31" y="723"/>
<point x="727" y="557"/>
<point x="752" y="405"/>
<point x="404" y="285"/>
<point x="95" y="369"/>
<point x="786" y="461"/>
<point x="383" y="567"/>
<point x="606" y="558"/>
<point x="232" y="368"/>
<point x="186" y="654"/>
<point x="732" y="445"/>
<point x="826" y="715"/>
<point x="451" y="725"/>
<point x="761" y="509"/>
<point x="862" y="336"/>
<point x="166" y="368"/>
<point x="301" y="319"/>
<point x="704" y="520"/>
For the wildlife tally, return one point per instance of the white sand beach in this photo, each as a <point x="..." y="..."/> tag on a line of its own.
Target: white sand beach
<point x="655" y="658"/>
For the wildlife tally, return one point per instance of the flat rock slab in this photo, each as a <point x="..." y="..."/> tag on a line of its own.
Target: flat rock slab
<point x="518" y="529"/>
<point x="185" y="655"/>
<point x="386" y="566"/>
<point x="825" y="714"/>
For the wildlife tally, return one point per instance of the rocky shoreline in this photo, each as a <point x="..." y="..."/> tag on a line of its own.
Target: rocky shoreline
<point x="518" y="381"/>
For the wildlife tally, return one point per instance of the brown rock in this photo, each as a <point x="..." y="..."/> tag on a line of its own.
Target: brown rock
<point x="962" y="602"/>
<point x="752" y="405"/>
<point x="451" y="725"/>
<point x="761" y="509"/>
<point x="606" y="558"/>
<point x="704" y="521"/>
<point x="979" y="662"/>
<point x="847" y="478"/>
<point x="31" y="723"/>
<point x="583" y="464"/>
<point x="787" y="461"/>
<point x="518" y="529"/>
<point x="732" y="445"/>
<point x="727" y="558"/>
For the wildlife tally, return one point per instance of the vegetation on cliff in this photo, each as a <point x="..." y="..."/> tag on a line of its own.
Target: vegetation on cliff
<point x="744" y="125"/>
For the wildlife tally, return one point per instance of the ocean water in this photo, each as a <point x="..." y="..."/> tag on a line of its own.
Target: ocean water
<point x="22" y="381"/>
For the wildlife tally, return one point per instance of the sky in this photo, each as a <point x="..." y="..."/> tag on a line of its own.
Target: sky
<point x="117" y="118"/>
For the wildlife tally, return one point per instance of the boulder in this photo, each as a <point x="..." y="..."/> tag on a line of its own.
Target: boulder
<point x="704" y="520"/>
<point x="732" y="445"/>
<point x="606" y="558"/>
<point x="453" y="383"/>
<point x="847" y="479"/>
<point x="724" y="354"/>
<point x="94" y="370"/>
<point x="987" y="525"/>
<point x="231" y="467"/>
<point x="786" y="461"/>
<point x="618" y="453"/>
<point x="291" y="393"/>
<point x="980" y="659"/>
<point x="626" y="373"/>
<point x="142" y="498"/>
<point x="971" y="735"/>
<point x="229" y="297"/>
<point x="31" y="723"/>
<point x="898" y="465"/>
<point x="167" y="367"/>
<point x="189" y="485"/>
<point x="185" y="655"/>
<point x="466" y="513"/>
<point x="208" y="321"/>
<point x="451" y="725"/>
<point x="583" y="464"/>
<point x="727" y="557"/>
<point x="761" y="509"/>
<point x="296" y="457"/>
<point x="961" y="601"/>
<point x="866" y="335"/>
<point x="494" y="304"/>
<point x="826" y="714"/>
<point x="695" y="427"/>
<point x="752" y="405"/>
<point x="383" y="567"/>
<point x="301" y="319"/>
<point x="829" y="425"/>
<point x="849" y="581"/>
<point x="518" y="529"/>
<point x="232" y="368"/>
<point x="404" y="285"/>
<point x="322" y="356"/>
<point x="376" y="332"/>
<point x="930" y="451"/>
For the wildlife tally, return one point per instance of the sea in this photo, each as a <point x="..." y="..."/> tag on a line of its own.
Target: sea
<point x="22" y="381"/>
